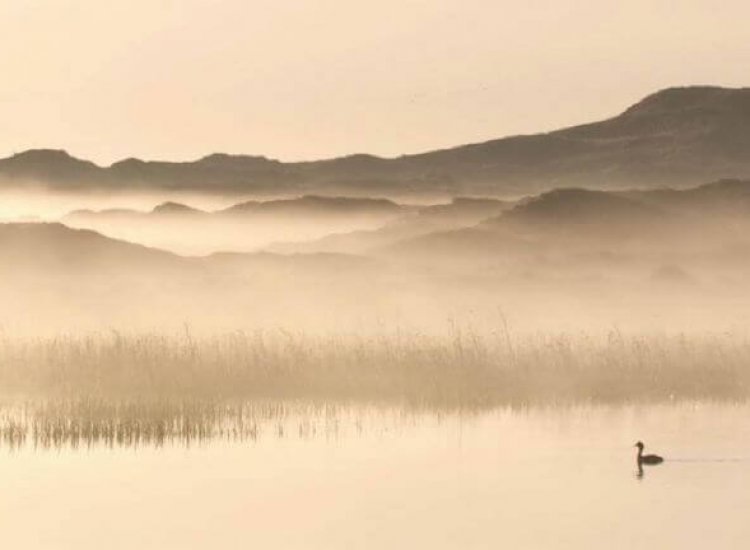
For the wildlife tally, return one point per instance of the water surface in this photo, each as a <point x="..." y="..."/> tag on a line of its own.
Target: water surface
<point x="554" y="478"/>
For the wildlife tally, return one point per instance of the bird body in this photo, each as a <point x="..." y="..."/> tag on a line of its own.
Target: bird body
<point x="647" y="459"/>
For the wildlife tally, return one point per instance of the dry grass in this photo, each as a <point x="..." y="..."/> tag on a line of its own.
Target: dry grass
<point x="464" y="369"/>
<point x="134" y="389"/>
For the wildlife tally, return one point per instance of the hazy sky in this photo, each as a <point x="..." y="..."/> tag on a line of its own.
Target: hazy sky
<point x="299" y="79"/>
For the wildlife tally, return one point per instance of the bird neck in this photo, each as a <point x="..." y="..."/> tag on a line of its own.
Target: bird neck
<point x="640" y="452"/>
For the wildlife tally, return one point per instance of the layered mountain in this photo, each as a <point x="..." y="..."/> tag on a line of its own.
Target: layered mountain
<point x="460" y="212"/>
<point x="246" y="226"/>
<point x="711" y="219"/>
<point x="317" y="206"/>
<point x="677" y="137"/>
<point x="58" y="247"/>
<point x="308" y="206"/>
<point x="56" y="278"/>
<point x="45" y="246"/>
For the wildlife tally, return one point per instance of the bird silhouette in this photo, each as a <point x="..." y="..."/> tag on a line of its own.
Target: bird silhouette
<point x="647" y="459"/>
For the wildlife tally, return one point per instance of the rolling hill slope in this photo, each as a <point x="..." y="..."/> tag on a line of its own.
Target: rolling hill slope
<point x="677" y="137"/>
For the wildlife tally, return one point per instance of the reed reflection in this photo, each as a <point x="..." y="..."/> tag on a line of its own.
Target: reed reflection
<point x="87" y="424"/>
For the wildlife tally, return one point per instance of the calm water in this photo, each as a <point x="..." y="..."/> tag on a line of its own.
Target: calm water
<point x="540" y="479"/>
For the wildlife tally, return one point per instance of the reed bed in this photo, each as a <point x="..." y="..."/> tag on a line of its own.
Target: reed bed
<point x="465" y="369"/>
<point x="115" y="389"/>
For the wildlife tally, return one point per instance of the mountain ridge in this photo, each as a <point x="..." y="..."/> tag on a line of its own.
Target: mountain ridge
<point x="679" y="137"/>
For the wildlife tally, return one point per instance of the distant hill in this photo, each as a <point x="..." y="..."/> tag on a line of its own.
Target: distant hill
<point x="314" y="206"/>
<point x="56" y="169"/>
<point x="728" y="198"/>
<point x="53" y="245"/>
<point x="44" y="246"/>
<point x="562" y="207"/>
<point x="592" y="222"/>
<point x="677" y="137"/>
<point x="464" y="209"/>
<point x="308" y="206"/>
<point x="460" y="212"/>
<point x="175" y="209"/>
<point x="244" y="227"/>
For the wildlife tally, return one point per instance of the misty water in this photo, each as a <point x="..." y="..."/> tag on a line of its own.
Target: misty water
<point x="385" y="478"/>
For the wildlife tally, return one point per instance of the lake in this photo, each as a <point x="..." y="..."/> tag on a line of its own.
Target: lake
<point x="538" y="478"/>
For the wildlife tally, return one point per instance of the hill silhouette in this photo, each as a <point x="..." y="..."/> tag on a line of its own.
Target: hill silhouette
<point x="678" y="137"/>
<point x="712" y="217"/>
<point x="416" y="221"/>
<point x="313" y="205"/>
<point x="243" y="227"/>
<point x="308" y="206"/>
<point x="54" y="245"/>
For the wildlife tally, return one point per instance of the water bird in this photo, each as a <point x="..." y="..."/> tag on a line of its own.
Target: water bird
<point x="647" y="459"/>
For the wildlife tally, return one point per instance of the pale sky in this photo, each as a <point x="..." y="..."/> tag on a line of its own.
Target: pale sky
<point x="307" y="79"/>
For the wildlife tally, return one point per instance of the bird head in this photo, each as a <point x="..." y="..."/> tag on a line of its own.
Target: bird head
<point x="639" y="445"/>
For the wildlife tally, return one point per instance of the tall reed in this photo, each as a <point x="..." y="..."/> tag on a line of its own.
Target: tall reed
<point x="463" y="368"/>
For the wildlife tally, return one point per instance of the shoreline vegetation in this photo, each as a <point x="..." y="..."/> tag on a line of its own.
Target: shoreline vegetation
<point x="464" y="368"/>
<point x="119" y="389"/>
<point x="90" y="423"/>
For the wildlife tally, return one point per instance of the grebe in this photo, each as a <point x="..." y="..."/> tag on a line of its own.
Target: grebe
<point x="647" y="459"/>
